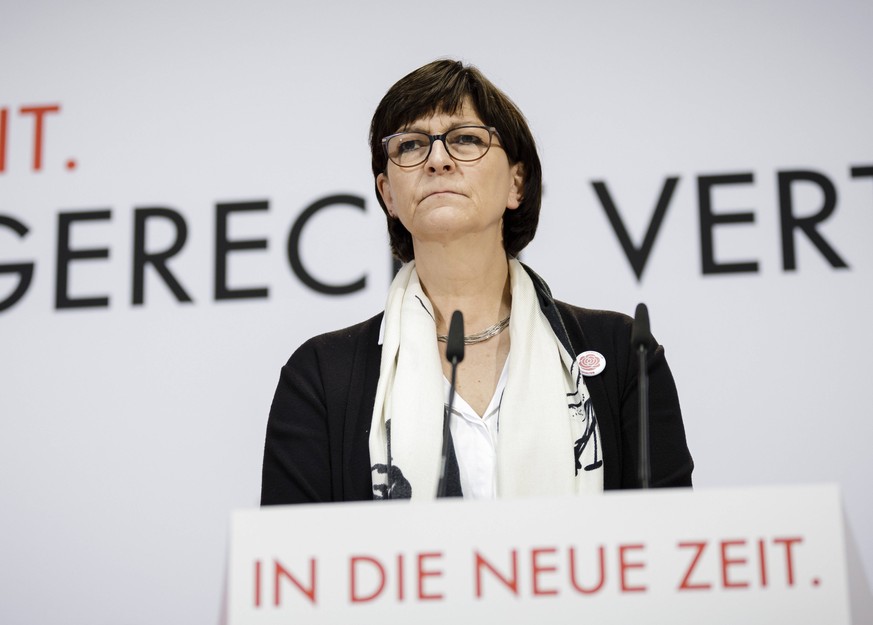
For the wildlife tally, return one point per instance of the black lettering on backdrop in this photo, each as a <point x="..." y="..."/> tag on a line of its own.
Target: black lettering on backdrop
<point x="24" y="270"/>
<point x="158" y="260"/>
<point x="862" y="171"/>
<point x="23" y="274"/>
<point x="708" y="221"/>
<point x="294" y="246"/>
<point x="638" y="257"/>
<point x="807" y="224"/>
<point x="67" y="255"/>
<point x="223" y="247"/>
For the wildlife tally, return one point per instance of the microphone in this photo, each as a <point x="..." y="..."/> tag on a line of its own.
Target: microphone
<point x="455" y="340"/>
<point x="641" y="335"/>
<point x="454" y="354"/>
<point x="641" y="338"/>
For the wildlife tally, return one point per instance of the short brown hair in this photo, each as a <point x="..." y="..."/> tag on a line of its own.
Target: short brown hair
<point x="441" y="87"/>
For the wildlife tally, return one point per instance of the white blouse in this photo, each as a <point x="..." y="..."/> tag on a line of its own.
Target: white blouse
<point x="475" y="441"/>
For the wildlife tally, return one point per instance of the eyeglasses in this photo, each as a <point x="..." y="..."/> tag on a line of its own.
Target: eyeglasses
<point x="464" y="143"/>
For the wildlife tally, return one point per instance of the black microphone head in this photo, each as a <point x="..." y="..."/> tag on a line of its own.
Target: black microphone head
<point x="641" y="335"/>
<point x="455" y="341"/>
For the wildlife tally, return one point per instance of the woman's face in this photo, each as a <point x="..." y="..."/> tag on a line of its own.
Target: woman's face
<point x="443" y="200"/>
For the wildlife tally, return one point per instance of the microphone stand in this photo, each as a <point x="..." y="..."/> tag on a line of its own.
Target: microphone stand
<point x="640" y="339"/>
<point x="454" y="354"/>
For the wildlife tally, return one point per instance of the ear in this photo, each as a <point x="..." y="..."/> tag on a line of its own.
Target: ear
<point x="516" y="186"/>
<point x="384" y="187"/>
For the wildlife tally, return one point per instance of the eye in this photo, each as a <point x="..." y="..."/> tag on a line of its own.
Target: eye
<point x="405" y="144"/>
<point x="467" y="139"/>
<point x="409" y="146"/>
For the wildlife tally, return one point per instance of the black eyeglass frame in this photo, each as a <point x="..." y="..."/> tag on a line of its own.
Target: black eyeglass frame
<point x="432" y="138"/>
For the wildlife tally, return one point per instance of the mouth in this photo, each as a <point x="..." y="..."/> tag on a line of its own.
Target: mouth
<point x="439" y="193"/>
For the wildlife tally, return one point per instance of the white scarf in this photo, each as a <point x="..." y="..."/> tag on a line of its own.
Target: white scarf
<point x="542" y="450"/>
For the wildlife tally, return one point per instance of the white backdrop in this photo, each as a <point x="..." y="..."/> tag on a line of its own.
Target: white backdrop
<point x="129" y="431"/>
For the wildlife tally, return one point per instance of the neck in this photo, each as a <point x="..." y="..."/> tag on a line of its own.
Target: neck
<point x="472" y="279"/>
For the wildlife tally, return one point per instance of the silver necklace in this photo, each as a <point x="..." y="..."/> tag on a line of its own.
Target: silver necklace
<point x="479" y="337"/>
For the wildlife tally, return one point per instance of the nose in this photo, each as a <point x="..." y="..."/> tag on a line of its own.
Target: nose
<point x="439" y="160"/>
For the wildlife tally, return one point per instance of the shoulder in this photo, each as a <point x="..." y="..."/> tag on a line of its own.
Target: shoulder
<point x="606" y="321"/>
<point x="340" y="344"/>
<point x="330" y="360"/>
<point x="325" y="369"/>
<point x="578" y="328"/>
<point x="588" y="327"/>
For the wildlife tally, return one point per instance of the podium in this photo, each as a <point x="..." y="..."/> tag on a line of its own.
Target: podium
<point x="722" y="556"/>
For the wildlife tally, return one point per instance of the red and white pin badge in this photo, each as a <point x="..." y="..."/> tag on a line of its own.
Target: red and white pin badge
<point x="591" y="363"/>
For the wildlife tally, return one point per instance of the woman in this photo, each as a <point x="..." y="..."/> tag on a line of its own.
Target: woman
<point x="546" y="397"/>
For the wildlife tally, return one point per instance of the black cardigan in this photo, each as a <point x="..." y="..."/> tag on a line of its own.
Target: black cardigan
<point x="317" y="445"/>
